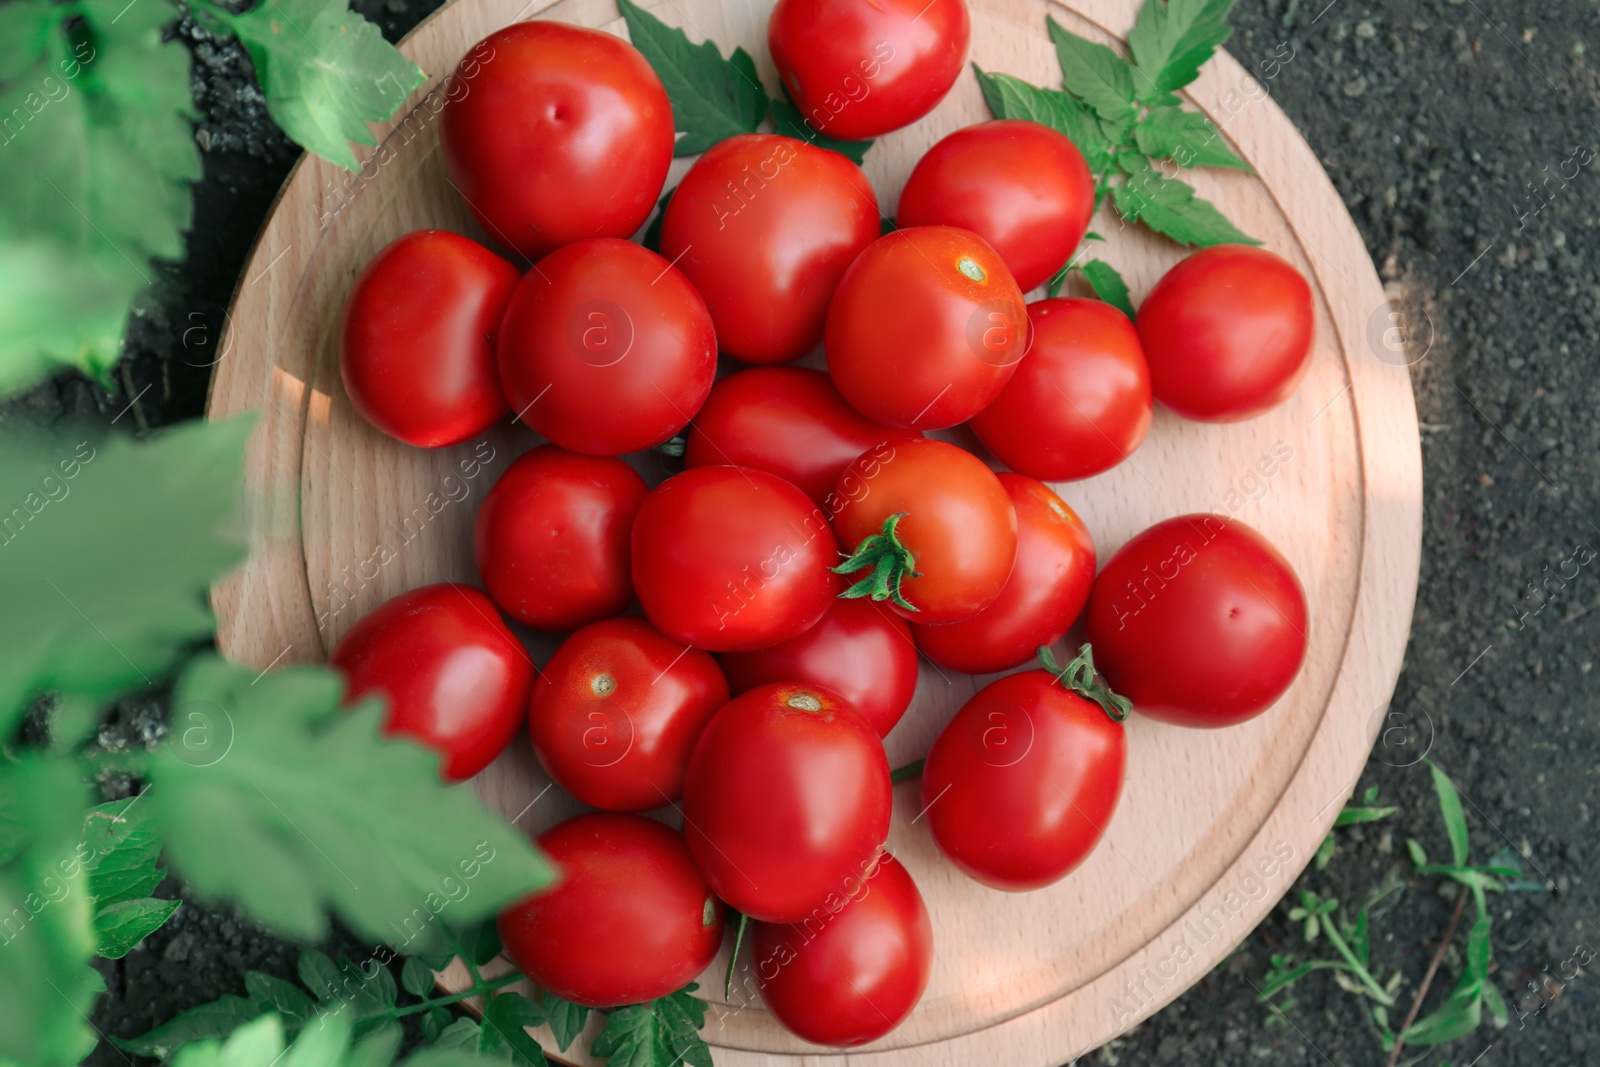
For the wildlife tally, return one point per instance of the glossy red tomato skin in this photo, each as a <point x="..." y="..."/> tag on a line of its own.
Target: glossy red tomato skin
<point x="1199" y="621"/>
<point x="556" y="133"/>
<point x="552" y="538"/>
<point x="456" y="679"/>
<point x="629" y="920"/>
<point x="416" y="345"/>
<point x="764" y="225"/>
<point x="860" y="650"/>
<point x="788" y="421"/>
<point x="616" y="711"/>
<point x="606" y="348"/>
<point x="731" y="558"/>
<point x="1080" y="403"/>
<point x="959" y="523"/>
<point x="913" y="340"/>
<point x="1048" y="587"/>
<point x="1227" y="333"/>
<point x="787" y="797"/>
<point x="863" y="70"/>
<point x="855" y="971"/>
<point x="1027" y="776"/>
<point x="1019" y="185"/>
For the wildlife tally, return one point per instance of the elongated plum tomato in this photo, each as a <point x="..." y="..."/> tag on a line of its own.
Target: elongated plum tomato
<point x="551" y="538"/>
<point x="606" y="348"/>
<point x="860" y="650"/>
<point x="616" y="711"/>
<point x="732" y="558"/>
<point x="859" y="70"/>
<point x="764" y="226"/>
<point x="555" y="133"/>
<point x="852" y="971"/>
<point x="456" y="679"/>
<point x="950" y="550"/>
<point x="1047" y="588"/>
<point x="1019" y="185"/>
<point x="786" y="800"/>
<point x="926" y="328"/>
<point x="1080" y="403"/>
<point x="1199" y="621"/>
<point x="788" y="421"/>
<point x="416" y="347"/>
<point x="1227" y="333"/>
<point x="1027" y="775"/>
<point x="630" y="919"/>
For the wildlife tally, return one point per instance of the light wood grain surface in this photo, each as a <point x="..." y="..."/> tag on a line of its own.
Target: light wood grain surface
<point x="1213" y="825"/>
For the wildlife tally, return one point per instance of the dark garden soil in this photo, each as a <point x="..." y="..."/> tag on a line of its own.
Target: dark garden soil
<point x="1462" y="136"/>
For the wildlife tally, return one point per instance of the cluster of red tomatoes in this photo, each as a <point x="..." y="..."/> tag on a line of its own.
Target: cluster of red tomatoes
<point x="816" y="540"/>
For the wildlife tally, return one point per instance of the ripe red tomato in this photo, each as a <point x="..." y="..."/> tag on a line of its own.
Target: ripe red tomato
<point x="788" y="421"/>
<point x="1080" y="403"/>
<point x="1020" y="785"/>
<point x="861" y="70"/>
<point x="551" y="538"/>
<point x="455" y="678"/>
<point x="630" y="920"/>
<point x="1046" y="591"/>
<point x="616" y="711"/>
<point x="1019" y="185"/>
<point x="416" y="347"/>
<point x="858" y="965"/>
<point x="554" y="133"/>
<point x="950" y="553"/>
<point x="606" y="348"/>
<point x="926" y="328"/>
<point x="732" y="558"/>
<point x="1199" y="621"/>
<point x="764" y="226"/>
<point x="860" y="650"/>
<point x="786" y="800"/>
<point x="1227" y="333"/>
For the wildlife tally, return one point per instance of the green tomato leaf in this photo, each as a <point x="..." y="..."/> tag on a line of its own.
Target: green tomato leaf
<point x="661" y="1033"/>
<point x="206" y="1022"/>
<point x="121" y="926"/>
<point x="25" y="28"/>
<point x="1455" y="820"/>
<point x="712" y="98"/>
<point x="120" y="848"/>
<point x="1353" y="816"/>
<point x="307" y="807"/>
<point x="275" y="994"/>
<point x="1094" y="74"/>
<point x="1170" y="42"/>
<point x="378" y="1048"/>
<point x="416" y="977"/>
<point x="1169" y="206"/>
<point x="1186" y="137"/>
<point x="506" y="1017"/>
<point x="787" y="120"/>
<point x="1013" y="98"/>
<point x="60" y="308"/>
<point x="1108" y="285"/>
<point x="326" y="71"/>
<point x="566" y="1019"/>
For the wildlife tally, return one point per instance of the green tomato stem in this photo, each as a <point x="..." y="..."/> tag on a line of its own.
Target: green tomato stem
<point x="887" y="561"/>
<point x="1081" y="677"/>
<point x="910" y="770"/>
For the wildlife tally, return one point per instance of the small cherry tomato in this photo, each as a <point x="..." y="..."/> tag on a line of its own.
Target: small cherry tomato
<point x="1199" y="621"/>
<point x="456" y="679"/>
<point x="932" y="529"/>
<point x="786" y="800"/>
<point x="616" y="711"/>
<point x="788" y="421"/>
<point x="555" y="133"/>
<point x="1046" y="591"/>
<point x="1021" y="186"/>
<point x="862" y="70"/>
<point x="551" y="538"/>
<point x="926" y="328"/>
<point x="732" y="558"/>
<point x="630" y="919"/>
<point x="1227" y="333"/>
<point x="764" y="225"/>
<point x="1020" y="785"/>
<point x="860" y="650"/>
<point x="1080" y="403"/>
<point x="856" y="967"/>
<point x="606" y="348"/>
<point x="416" y="347"/>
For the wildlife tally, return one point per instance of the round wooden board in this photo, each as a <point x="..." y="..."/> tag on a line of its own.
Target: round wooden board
<point x="1213" y="826"/>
